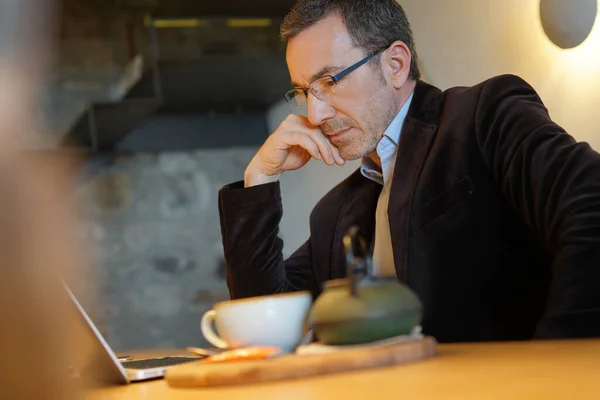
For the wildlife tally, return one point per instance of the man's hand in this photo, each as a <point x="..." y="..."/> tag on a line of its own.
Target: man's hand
<point x="288" y="148"/>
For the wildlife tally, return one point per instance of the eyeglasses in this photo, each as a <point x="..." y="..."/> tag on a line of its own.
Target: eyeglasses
<point x="324" y="87"/>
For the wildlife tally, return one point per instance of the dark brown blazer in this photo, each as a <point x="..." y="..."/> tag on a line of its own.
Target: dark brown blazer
<point x="494" y="215"/>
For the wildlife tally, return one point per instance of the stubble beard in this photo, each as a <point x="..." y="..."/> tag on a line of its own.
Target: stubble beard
<point x="363" y="142"/>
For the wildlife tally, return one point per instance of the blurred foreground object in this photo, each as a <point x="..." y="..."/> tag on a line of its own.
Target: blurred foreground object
<point x="37" y="246"/>
<point x="244" y="354"/>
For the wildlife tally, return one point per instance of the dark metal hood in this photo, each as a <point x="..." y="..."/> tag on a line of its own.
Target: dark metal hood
<point x="216" y="83"/>
<point x="234" y="75"/>
<point x="194" y="95"/>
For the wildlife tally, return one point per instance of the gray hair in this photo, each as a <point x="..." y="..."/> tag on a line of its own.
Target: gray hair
<point x="372" y="24"/>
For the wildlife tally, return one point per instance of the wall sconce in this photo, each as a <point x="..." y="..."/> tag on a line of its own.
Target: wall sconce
<point x="568" y="22"/>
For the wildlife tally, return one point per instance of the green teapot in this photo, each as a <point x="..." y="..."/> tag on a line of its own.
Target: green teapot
<point x="362" y="308"/>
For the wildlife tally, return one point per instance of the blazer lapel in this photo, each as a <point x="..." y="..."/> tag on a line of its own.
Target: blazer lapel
<point x="418" y="132"/>
<point x="358" y="208"/>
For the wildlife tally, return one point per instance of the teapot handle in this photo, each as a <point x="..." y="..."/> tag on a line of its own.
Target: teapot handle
<point x="357" y="258"/>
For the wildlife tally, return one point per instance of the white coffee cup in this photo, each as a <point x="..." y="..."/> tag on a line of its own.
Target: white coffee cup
<point x="276" y="321"/>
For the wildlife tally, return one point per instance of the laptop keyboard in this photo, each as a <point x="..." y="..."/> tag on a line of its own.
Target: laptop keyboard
<point x="158" y="362"/>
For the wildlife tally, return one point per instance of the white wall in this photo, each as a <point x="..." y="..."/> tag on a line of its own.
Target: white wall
<point x="301" y="189"/>
<point x="462" y="42"/>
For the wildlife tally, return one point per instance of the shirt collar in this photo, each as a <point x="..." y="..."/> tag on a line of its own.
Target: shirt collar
<point x="387" y="146"/>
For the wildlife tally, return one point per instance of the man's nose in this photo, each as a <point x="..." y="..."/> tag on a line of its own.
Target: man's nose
<point x="318" y="111"/>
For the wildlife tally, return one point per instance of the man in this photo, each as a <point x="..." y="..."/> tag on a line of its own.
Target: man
<point x="472" y="197"/>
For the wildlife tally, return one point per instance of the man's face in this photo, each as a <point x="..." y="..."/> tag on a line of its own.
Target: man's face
<point x="364" y="103"/>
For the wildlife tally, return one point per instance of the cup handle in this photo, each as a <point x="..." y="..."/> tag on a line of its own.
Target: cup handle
<point x="208" y="332"/>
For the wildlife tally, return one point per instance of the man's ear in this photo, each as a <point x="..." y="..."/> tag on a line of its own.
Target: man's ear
<point x="396" y="63"/>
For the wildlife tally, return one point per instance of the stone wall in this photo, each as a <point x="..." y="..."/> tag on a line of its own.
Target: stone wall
<point x="151" y="224"/>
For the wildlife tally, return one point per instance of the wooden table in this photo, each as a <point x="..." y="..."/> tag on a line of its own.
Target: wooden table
<point x="524" y="370"/>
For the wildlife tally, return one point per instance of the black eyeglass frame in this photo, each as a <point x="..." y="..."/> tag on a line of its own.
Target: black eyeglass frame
<point x="289" y="96"/>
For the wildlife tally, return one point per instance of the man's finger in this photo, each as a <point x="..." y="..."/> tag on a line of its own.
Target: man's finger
<point x="303" y="140"/>
<point x="324" y="146"/>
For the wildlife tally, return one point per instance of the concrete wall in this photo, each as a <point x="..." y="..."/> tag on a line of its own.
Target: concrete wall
<point x="150" y="222"/>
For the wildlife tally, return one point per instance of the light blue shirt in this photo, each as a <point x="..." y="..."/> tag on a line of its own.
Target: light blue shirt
<point x="382" y="248"/>
<point x="386" y="149"/>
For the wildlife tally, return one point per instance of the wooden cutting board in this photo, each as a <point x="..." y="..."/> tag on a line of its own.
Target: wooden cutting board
<point x="198" y="374"/>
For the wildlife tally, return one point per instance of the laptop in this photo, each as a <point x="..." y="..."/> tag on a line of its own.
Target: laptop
<point x="98" y="362"/>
